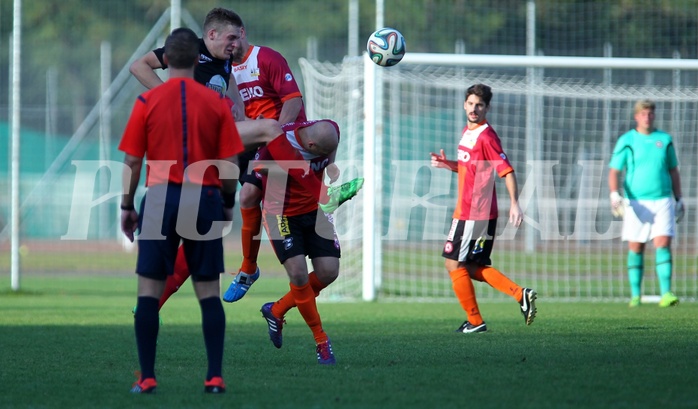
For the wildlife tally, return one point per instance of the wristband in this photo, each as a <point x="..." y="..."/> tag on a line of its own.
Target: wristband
<point x="128" y="208"/>
<point x="228" y="199"/>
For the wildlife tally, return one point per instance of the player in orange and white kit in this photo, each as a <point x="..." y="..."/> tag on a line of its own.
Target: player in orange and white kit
<point x="268" y="90"/>
<point x="297" y="227"/>
<point x="471" y="237"/>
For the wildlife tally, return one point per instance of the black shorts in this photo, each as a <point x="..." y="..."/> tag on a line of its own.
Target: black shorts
<point x="470" y="241"/>
<point x="159" y="235"/>
<point x="246" y="175"/>
<point x="310" y="234"/>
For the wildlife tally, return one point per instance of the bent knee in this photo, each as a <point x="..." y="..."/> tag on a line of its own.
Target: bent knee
<point x="327" y="277"/>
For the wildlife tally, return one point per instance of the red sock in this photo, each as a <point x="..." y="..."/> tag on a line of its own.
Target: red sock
<point x="251" y="226"/>
<point x="500" y="282"/>
<point x="465" y="292"/>
<point x="315" y="283"/>
<point x="305" y="301"/>
<point x="180" y="275"/>
<point x="285" y="303"/>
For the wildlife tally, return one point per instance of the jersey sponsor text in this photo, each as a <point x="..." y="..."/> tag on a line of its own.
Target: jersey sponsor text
<point x="251" y="92"/>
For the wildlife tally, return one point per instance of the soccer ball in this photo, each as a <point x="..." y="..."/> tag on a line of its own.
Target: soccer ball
<point x="386" y="47"/>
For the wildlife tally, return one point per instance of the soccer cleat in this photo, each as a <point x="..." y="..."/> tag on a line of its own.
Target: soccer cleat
<point x="238" y="288"/>
<point x="339" y="195"/>
<point x="528" y="305"/>
<point x="325" y="356"/>
<point x="668" y="300"/>
<point x="146" y="385"/>
<point x="634" y="302"/>
<point x="466" y="327"/>
<point x="214" y="385"/>
<point x="275" y="325"/>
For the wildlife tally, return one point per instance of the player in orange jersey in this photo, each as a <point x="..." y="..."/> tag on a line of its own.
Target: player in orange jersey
<point x="297" y="227"/>
<point x="470" y="240"/>
<point x="268" y="90"/>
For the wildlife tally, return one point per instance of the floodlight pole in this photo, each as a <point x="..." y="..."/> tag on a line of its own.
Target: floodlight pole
<point x="105" y="132"/>
<point x="175" y="14"/>
<point x="532" y="109"/>
<point x="353" y="29"/>
<point x="14" y="167"/>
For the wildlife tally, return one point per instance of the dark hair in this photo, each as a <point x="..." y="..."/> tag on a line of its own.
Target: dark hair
<point x="182" y="48"/>
<point x="219" y="16"/>
<point x="481" y="90"/>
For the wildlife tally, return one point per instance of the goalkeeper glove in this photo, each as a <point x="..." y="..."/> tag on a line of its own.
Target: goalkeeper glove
<point x="617" y="205"/>
<point x="679" y="209"/>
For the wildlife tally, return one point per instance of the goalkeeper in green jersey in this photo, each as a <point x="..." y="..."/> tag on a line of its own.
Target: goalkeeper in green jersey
<point x="650" y="203"/>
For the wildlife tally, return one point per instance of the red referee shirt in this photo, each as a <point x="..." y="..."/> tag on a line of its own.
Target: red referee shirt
<point x="202" y="129"/>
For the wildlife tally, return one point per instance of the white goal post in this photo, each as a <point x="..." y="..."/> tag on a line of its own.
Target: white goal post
<point x="527" y="61"/>
<point x="558" y="118"/>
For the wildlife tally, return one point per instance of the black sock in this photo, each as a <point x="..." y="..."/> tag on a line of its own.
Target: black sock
<point x="147" y="324"/>
<point x="213" y="325"/>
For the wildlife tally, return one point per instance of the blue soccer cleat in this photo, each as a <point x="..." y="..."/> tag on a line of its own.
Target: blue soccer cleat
<point x="275" y="325"/>
<point x="325" y="356"/>
<point x="239" y="287"/>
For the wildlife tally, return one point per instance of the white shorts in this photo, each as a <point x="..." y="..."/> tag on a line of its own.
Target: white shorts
<point x="646" y="219"/>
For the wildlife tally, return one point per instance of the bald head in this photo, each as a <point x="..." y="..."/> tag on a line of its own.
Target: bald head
<point x="320" y="138"/>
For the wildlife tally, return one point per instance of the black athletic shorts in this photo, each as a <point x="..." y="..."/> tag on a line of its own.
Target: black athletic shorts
<point x="470" y="241"/>
<point x="159" y="235"/>
<point x="310" y="234"/>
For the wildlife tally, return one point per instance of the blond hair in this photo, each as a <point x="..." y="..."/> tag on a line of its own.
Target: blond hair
<point x="644" y="104"/>
<point x="219" y="18"/>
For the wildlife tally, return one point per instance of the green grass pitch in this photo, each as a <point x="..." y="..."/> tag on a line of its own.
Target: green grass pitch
<point x="68" y="342"/>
